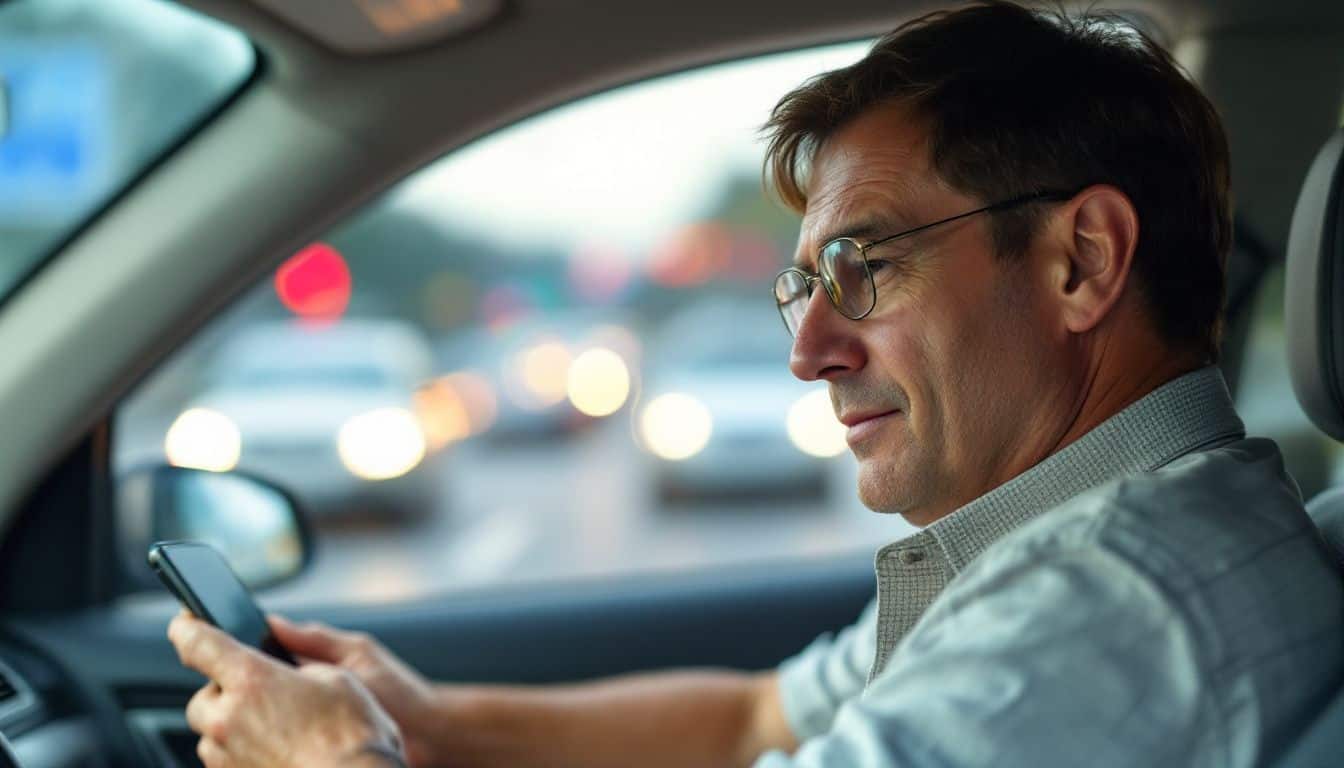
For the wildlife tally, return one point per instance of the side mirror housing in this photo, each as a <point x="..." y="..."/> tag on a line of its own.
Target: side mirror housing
<point x="258" y="527"/>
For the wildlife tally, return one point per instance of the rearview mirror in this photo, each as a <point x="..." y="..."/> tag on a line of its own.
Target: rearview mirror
<point x="257" y="526"/>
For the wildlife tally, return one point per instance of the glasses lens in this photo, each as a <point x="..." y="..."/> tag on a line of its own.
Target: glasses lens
<point x="847" y="279"/>
<point x="791" y="297"/>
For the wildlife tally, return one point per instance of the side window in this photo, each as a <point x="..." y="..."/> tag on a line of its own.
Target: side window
<point x="1266" y="401"/>
<point x="552" y="354"/>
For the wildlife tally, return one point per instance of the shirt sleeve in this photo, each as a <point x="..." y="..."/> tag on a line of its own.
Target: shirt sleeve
<point x="1059" y="658"/>
<point x="832" y="670"/>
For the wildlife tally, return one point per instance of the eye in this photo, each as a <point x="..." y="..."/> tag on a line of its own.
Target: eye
<point x="886" y="271"/>
<point x="883" y="269"/>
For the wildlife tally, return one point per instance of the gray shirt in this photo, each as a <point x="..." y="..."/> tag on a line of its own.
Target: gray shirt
<point x="1153" y="594"/>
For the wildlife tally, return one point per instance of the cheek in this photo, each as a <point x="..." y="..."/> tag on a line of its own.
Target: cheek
<point x="959" y="358"/>
<point x="988" y="356"/>
<point x="947" y="342"/>
<point x="897" y="351"/>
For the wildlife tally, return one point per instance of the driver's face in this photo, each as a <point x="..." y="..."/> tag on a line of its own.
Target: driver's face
<point x="940" y="381"/>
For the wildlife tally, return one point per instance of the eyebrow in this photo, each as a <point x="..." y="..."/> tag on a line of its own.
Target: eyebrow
<point x="864" y="229"/>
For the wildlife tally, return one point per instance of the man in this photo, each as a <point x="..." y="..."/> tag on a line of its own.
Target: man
<point x="1019" y="224"/>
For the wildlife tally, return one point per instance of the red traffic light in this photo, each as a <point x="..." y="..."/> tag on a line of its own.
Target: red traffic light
<point x="315" y="283"/>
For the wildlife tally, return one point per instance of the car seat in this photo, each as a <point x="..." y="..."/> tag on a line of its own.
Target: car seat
<point x="1314" y="322"/>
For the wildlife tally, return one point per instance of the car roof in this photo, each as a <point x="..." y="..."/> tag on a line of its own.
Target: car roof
<point x="350" y="343"/>
<point x="317" y="133"/>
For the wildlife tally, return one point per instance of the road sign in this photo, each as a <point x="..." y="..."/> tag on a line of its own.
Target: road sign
<point x="55" y="114"/>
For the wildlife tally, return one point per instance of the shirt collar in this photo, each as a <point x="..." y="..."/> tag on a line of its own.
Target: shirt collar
<point x="1186" y="414"/>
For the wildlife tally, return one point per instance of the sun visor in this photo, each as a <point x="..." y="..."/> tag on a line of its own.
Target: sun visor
<point x="382" y="26"/>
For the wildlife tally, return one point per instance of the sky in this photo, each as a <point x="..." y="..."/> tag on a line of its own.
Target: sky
<point x="621" y="168"/>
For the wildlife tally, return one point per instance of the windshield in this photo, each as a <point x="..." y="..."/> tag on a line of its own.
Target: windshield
<point x="91" y="93"/>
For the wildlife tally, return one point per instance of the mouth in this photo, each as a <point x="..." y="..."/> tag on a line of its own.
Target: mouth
<point x="866" y="424"/>
<point x="855" y="419"/>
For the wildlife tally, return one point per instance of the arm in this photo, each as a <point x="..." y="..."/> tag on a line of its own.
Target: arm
<point x="702" y="718"/>
<point x="1048" y="655"/>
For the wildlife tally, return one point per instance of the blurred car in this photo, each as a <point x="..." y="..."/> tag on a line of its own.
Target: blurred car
<point x="721" y="414"/>
<point x="547" y="376"/>
<point x="328" y="411"/>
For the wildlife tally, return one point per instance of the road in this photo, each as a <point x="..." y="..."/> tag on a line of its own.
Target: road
<point x="571" y="508"/>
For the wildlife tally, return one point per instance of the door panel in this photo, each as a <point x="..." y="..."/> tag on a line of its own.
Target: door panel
<point x="748" y="618"/>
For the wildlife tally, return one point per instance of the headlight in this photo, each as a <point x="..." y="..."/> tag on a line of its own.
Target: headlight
<point x="381" y="444"/>
<point x="540" y="373"/>
<point x="599" y="382"/>
<point x="813" y="427"/>
<point x="203" y="439"/>
<point x="676" y="426"/>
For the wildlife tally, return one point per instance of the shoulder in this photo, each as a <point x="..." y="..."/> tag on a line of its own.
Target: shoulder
<point x="1217" y="541"/>
<point x="1198" y="515"/>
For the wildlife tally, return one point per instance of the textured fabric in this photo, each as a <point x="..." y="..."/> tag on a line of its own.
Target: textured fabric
<point x="1174" y="607"/>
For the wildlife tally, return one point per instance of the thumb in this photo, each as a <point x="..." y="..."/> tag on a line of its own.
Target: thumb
<point x="312" y="640"/>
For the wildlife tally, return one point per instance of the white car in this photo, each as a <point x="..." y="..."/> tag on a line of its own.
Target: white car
<point x="327" y="411"/>
<point x="721" y="414"/>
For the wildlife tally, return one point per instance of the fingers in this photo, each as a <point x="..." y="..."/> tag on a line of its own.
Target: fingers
<point x="315" y="641"/>
<point x="204" y="715"/>
<point x="209" y="651"/>
<point x="211" y="753"/>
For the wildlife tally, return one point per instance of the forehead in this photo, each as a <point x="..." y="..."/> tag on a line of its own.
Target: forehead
<point x="867" y="180"/>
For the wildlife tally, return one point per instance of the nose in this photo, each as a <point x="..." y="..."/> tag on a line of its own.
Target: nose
<point x="826" y="346"/>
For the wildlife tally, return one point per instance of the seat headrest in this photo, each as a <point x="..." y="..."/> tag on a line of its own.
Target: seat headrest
<point x="1314" y="300"/>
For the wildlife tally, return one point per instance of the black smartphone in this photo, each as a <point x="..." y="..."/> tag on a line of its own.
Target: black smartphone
<point x="202" y="580"/>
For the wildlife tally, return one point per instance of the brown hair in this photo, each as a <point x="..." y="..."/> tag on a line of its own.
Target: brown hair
<point x="1022" y="101"/>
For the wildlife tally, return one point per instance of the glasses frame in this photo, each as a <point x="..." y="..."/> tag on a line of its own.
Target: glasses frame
<point x="810" y="279"/>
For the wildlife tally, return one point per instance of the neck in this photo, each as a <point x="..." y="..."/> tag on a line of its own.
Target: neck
<point x="1106" y="381"/>
<point x="1108" y="389"/>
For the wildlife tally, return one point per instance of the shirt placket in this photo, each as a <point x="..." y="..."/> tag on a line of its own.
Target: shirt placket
<point x="910" y="575"/>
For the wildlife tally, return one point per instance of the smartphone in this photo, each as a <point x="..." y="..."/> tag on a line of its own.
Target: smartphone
<point x="202" y="580"/>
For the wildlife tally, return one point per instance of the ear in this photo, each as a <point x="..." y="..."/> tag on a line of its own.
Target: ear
<point x="1099" y="230"/>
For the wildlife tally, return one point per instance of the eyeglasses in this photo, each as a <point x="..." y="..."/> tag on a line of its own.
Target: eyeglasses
<point x="843" y="269"/>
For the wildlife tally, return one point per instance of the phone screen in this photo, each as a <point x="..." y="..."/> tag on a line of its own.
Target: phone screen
<point x="201" y="578"/>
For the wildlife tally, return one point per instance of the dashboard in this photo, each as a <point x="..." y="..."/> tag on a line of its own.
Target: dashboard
<point x="49" y="719"/>
<point x="39" y="724"/>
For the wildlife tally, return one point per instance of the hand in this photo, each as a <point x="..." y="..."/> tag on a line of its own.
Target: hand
<point x="403" y="693"/>
<point x="259" y="712"/>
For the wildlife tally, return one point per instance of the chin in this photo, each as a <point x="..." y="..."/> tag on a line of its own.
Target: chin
<point x="899" y="488"/>
<point x="881" y="490"/>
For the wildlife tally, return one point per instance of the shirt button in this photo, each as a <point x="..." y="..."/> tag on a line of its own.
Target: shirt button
<point x="912" y="556"/>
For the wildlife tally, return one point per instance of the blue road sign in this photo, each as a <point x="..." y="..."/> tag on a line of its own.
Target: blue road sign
<point x="54" y="140"/>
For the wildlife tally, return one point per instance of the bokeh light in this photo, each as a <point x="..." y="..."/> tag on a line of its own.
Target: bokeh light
<point x="477" y="396"/>
<point x="454" y="407"/>
<point x="599" y="274"/>
<point x="203" y="439"/>
<point x="813" y="428"/>
<point x="599" y="382"/>
<point x="693" y="255"/>
<point x="543" y="371"/>
<point x="503" y="306"/>
<point x="381" y="444"/>
<point x="676" y="426"/>
<point x="442" y="413"/>
<point x="315" y="283"/>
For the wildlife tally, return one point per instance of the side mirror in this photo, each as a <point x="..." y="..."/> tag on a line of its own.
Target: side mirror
<point x="257" y="526"/>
